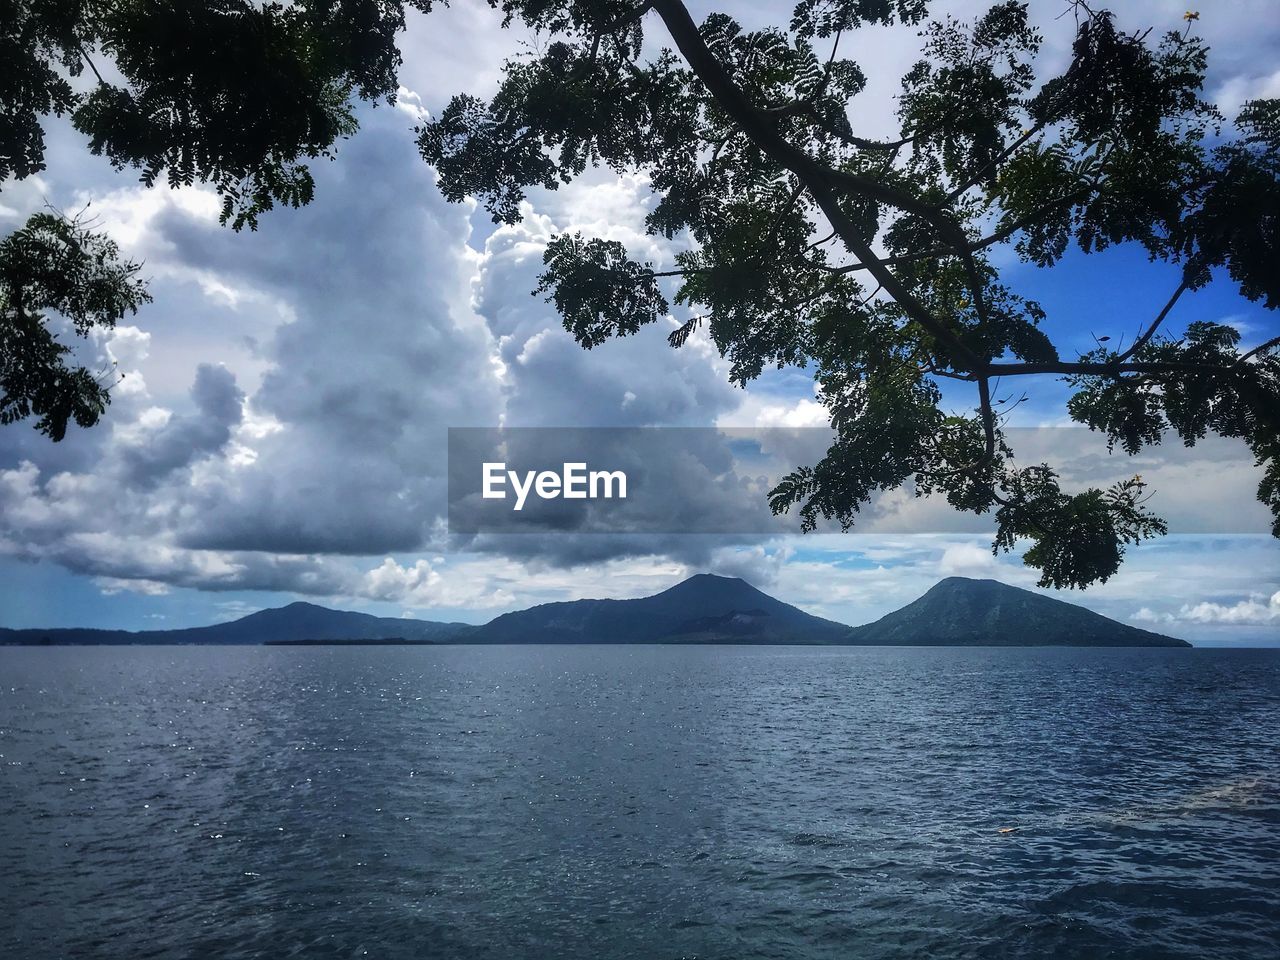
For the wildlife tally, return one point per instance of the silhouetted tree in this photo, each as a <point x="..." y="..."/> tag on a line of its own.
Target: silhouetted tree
<point x="749" y="139"/>
<point x="56" y="264"/>
<point x="232" y="93"/>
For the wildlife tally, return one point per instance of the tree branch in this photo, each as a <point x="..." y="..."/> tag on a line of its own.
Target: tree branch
<point x="989" y="431"/>
<point x="1005" y="232"/>
<point x="786" y="209"/>
<point x="1273" y="342"/>
<point x="625" y="19"/>
<point x="1143" y="340"/>
<point x="754" y="124"/>
<point x="1102" y="369"/>
<point x="673" y="273"/>
<point x="89" y="61"/>
<point x="822" y="181"/>
<point x="1004" y="155"/>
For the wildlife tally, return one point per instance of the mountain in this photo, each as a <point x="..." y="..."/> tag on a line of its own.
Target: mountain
<point x="963" y="612"/>
<point x="294" y="623"/>
<point x="703" y="609"/>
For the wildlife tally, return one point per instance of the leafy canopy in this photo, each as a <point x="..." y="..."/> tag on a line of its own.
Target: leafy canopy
<point x="872" y="262"/>
<point x="57" y="265"/>
<point x="233" y="93"/>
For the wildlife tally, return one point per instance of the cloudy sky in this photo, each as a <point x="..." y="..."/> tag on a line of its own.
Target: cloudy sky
<point x="280" y="429"/>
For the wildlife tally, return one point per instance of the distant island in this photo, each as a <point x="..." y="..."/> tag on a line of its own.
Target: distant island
<point x="297" y="622"/>
<point x="959" y="612"/>
<point x="704" y="609"/>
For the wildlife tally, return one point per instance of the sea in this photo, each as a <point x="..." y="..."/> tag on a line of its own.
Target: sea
<point x="653" y="802"/>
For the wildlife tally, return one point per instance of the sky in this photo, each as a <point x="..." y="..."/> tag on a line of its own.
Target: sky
<point x="279" y="433"/>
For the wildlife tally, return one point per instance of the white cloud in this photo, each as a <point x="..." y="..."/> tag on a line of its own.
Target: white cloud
<point x="968" y="560"/>
<point x="113" y="585"/>
<point x="1239" y="90"/>
<point x="422" y="586"/>
<point x="758" y="409"/>
<point x="1257" y="610"/>
<point x="639" y="380"/>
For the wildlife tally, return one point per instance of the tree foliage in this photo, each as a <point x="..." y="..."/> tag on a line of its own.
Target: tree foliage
<point x="233" y="93"/>
<point x="236" y="94"/>
<point x="871" y="262"/>
<point x="57" y="265"/>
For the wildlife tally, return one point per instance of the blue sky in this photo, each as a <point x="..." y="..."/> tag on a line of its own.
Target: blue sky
<point x="280" y="433"/>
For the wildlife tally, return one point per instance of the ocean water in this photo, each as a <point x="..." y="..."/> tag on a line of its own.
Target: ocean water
<point x="639" y="802"/>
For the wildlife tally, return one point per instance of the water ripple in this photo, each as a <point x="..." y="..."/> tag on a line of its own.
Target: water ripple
<point x="585" y="802"/>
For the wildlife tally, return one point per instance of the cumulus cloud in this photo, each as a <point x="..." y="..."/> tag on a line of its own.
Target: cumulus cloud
<point x="967" y="560"/>
<point x="759" y="565"/>
<point x="184" y="438"/>
<point x="371" y="327"/>
<point x="369" y="349"/>
<point x="549" y="380"/>
<point x="1257" y="610"/>
<point x="1239" y="90"/>
<point x="422" y="585"/>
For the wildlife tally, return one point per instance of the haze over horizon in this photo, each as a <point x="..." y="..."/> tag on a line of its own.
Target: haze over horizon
<point x="279" y="431"/>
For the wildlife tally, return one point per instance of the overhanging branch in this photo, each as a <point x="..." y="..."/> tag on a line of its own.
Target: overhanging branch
<point x="823" y="182"/>
<point x="1143" y="340"/>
